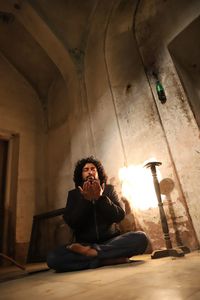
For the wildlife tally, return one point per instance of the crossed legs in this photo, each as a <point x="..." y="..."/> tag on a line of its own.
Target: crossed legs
<point x="86" y="256"/>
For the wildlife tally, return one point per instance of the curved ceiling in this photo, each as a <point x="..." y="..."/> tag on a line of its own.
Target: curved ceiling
<point x="67" y="20"/>
<point x="24" y="53"/>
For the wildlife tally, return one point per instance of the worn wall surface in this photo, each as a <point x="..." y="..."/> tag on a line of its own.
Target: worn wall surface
<point x="121" y="98"/>
<point x="179" y="125"/>
<point x="106" y="107"/>
<point x="21" y="113"/>
<point x="99" y="99"/>
<point x="68" y="136"/>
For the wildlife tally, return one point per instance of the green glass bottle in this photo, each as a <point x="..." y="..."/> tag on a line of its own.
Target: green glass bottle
<point x="161" y="92"/>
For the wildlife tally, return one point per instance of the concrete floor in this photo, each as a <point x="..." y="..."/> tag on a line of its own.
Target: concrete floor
<point x="146" y="279"/>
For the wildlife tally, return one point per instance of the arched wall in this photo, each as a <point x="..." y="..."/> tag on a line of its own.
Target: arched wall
<point x="157" y="24"/>
<point x="125" y="122"/>
<point x="106" y="106"/>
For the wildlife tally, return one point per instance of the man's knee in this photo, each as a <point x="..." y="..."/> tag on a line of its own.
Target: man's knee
<point x="143" y="240"/>
<point x="140" y="239"/>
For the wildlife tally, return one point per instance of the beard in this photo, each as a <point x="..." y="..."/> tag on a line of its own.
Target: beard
<point x="90" y="178"/>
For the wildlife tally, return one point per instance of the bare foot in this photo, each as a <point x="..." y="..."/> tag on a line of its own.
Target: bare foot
<point x="85" y="250"/>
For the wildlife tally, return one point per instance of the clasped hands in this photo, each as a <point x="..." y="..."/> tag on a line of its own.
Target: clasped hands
<point x="91" y="189"/>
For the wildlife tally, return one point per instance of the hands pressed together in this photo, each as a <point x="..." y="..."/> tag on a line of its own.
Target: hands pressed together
<point x="91" y="189"/>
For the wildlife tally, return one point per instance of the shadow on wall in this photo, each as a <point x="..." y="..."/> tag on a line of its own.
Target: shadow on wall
<point x="166" y="187"/>
<point x="149" y="220"/>
<point x="131" y="223"/>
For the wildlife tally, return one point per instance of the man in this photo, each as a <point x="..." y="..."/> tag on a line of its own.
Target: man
<point x="92" y="211"/>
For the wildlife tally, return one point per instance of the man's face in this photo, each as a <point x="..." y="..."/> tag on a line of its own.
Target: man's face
<point x="89" y="172"/>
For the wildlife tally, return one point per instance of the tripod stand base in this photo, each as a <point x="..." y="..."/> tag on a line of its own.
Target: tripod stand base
<point x="167" y="252"/>
<point x="185" y="249"/>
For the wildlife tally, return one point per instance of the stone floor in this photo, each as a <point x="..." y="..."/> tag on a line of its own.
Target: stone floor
<point x="146" y="279"/>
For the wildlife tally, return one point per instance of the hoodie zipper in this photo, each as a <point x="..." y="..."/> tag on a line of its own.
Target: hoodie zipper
<point x="95" y="220"/>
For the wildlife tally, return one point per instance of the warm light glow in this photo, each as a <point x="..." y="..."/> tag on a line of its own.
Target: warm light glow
<point x="138" y="187"/>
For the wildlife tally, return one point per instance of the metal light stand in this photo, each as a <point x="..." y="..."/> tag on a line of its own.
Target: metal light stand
<point x="169" y="251"/>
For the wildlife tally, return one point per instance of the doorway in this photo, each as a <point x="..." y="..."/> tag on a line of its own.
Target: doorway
<point x="9" y="156"/>
<point x="3" y="167"/>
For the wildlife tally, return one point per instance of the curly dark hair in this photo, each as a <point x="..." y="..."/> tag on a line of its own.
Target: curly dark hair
<point x="78" y="180"/>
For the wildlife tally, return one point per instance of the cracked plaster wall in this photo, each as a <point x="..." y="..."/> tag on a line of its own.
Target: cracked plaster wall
<point x="154" y="32"/>
<point x="105" y="104"/>
<point x="117" y="117"/>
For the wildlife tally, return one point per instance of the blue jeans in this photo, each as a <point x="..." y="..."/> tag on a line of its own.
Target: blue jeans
<point x="124" y="245"/>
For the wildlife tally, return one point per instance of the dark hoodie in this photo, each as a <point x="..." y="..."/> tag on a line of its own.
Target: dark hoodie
<point x="94" y="221"/>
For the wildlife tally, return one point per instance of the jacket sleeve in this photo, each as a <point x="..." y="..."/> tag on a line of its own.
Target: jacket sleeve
<point x="77" y="209"/>
<point x="109" y="205"/>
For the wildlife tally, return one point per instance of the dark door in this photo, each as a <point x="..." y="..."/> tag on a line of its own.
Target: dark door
<point x="3" y="164"/>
